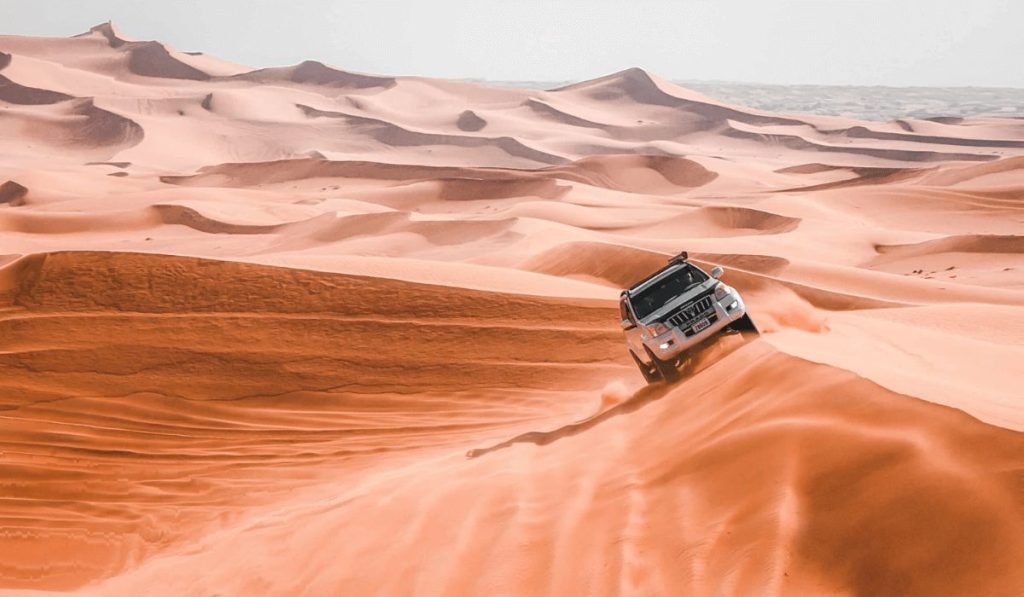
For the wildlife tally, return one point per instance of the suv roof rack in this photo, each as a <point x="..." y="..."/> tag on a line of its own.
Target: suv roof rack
<point x="681" y="257"/>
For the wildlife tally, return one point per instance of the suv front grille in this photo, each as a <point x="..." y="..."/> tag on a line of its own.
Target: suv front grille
<point x="689" y="313"/>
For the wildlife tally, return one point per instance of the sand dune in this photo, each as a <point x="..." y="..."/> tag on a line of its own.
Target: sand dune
<point x="862" y="132"/>
<point x="643" y="174"/>
<point x="186" y="216"/>
<point x="370" y="114"/>
<point x="13" y="93"/>
<point x="547" y="110"/>
<point x="470" y="121"/>
<point x="618" y="265"/>
<point x="640" y="86"/>
<point x="798" y="142"/>
<point x="150" y="59"/>
<point x="76" y="126"/>
<point x="721" y="221"/>
<point x="978" y="174"/>
<point x="984" y="260"/>
<point x="108" y="31"/>
<point x="394" y="135"/>
<point x="302" y="331"/>
<point x="637" y="174"/>
<point x="623" y="520"/>
<point x="312" y="72"/>
<point x="12" y="193"/>
<point x="753" y="397"/>
<point x="962" y="244"/>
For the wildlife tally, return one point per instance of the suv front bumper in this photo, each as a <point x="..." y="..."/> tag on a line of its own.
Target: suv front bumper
<point x="675" y="341"/>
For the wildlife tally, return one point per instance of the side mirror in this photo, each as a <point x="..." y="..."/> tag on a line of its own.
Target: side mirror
<point x="717" y="272"/>
<point x="627" y="324"/>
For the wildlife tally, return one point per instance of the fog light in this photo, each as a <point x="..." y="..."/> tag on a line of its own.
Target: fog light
<point x="733" y="305"/>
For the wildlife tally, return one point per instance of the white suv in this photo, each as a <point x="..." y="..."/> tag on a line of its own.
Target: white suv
<point x="673" y="311"/>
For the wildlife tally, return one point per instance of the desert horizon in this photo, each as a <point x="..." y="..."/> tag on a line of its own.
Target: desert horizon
<point x="297" y="330"/>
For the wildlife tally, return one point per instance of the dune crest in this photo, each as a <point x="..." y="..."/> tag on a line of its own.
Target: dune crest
<point x="110" y="32"/>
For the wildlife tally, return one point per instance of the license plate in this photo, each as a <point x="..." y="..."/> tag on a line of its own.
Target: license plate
<point x="700" y="325"/>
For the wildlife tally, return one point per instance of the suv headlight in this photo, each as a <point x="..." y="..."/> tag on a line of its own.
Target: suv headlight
<point x="722" y="291"/>
<point x="658" y="328"/>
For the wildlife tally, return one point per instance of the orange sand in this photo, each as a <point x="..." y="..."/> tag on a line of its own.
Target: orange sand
<point x="298" y="331"/>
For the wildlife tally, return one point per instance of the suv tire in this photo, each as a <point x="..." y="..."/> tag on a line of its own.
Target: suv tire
<point x="666" y="369"/>
<point x="650" y="372"/>
<point x="745" y="326"/>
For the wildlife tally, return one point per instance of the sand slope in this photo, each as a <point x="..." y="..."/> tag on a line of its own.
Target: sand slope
<point x="303" y="331"/>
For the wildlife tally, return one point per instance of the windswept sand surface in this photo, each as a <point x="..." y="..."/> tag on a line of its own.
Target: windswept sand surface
<point x="299" y="331"/>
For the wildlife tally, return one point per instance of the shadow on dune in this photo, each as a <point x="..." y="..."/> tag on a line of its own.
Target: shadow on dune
<point x="702" y="359"/>
<point x="638" y="400"/>
<point x="651" y="174"/>
<point x="311" y="72"/>
<point x="861" y="176"/>
<point x="12" y="193"/>
<point x="22" y="95"/>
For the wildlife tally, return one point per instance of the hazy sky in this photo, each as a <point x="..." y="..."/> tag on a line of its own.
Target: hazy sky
<point x="860" y="42"/>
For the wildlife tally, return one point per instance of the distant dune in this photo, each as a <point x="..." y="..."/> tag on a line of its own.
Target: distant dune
<point x="304" y="331"/>
<point x="944" y="105"/>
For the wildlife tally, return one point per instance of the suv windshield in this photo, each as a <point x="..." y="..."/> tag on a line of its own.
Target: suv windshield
<point x="664" y="290"/>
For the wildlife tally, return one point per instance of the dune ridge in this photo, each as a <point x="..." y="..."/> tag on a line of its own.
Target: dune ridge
<point x="298" y="330"/>
<point x="110" y="32"/>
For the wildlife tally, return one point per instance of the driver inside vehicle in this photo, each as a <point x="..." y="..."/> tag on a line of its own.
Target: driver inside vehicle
<point x="674" y="285"/>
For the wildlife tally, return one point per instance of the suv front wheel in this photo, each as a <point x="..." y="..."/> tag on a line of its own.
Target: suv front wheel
<point x="745" y="326"/>
<point x="666" y="369"/>
<point x="650" y="372"/>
